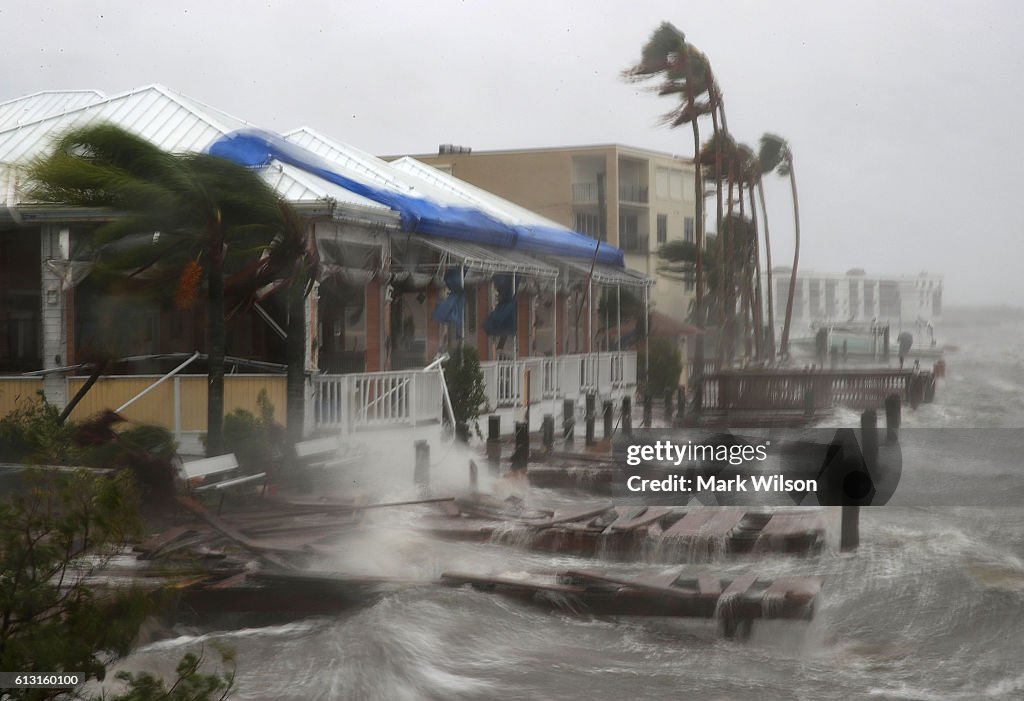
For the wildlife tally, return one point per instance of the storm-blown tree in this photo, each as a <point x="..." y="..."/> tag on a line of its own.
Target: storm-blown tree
<point x="178" y="219"/>
<point x="775" y="155"/>
<point x="684" y="71"/>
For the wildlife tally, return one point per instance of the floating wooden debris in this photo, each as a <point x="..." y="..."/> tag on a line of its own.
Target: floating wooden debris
<point x="735" y="602"/>
<point x="655" y="533"/>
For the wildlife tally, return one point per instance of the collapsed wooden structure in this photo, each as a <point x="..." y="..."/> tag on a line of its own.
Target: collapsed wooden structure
<point x="650" y="533"/>
<point x="735" y="602"/>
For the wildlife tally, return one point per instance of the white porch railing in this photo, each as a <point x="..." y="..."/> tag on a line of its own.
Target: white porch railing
<point x="566" y="376"/>
<point x="413" y="397"/>
<point x="374" y="399"/>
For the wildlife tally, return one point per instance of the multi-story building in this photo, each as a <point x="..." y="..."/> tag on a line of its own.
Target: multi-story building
<point x="633" y="198"/>
<point x="904" y="302"/>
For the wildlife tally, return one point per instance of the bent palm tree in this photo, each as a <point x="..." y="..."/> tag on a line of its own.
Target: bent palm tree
<point x="683" y="71"/>
<point x="178" y="217"/>
<point x="776" y="155"/>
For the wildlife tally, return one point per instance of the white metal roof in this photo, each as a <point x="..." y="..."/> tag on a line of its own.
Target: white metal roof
<point x="491" y="260"/>
<point x="29" y="108"/>
<point x="170" y="121"/>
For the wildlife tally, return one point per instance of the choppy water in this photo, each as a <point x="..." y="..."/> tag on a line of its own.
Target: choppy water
<point x="930" y="607"/>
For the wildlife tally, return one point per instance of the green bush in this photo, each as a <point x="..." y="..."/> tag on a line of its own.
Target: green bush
<point x="32" y="433"/>
<point x="666" y="365"/>
<point x="465" y="382"/>
<point x="257" y="441"/>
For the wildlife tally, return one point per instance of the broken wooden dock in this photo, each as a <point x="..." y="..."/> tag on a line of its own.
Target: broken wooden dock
<point x="630" y="533"/>
<point x="734" y="602"/>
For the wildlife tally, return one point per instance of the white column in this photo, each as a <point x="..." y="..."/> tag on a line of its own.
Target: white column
<point x="55" y="245"/>
<point x="312" y="362"/>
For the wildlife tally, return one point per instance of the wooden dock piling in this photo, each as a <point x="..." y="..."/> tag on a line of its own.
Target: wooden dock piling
<point x="627" y="416"/>
<point x="893" y="409"/>
<point x="590" y="418"/>
<point x="521" y="454"/>
<point x="609" y="418"/>
<point x="568" y="420"/>
<point x="421" y="472"/>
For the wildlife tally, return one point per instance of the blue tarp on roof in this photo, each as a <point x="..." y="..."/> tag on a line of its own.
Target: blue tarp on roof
<point x="257" y="148"/>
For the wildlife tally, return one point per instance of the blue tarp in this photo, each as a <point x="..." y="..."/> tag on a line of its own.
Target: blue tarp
<point x="502" y="320"/>
<point x="257" y="148"/>
<point x="451" y="309"/>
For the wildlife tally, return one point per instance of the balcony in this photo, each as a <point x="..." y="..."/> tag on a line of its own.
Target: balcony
<point x="633" y="193"/>
<point x="584" y="193"/>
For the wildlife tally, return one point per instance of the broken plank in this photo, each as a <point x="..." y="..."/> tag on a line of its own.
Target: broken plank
<point x="739" y="586"/>
<point x="456" y="578"/>
<point x="709" y="586"/>
<point x="252" y="546"/>
<point x="649" y="516"/>
<point x="586" y="513"/>
<point x="152" y="546"/>
<point x="639" y="584"/>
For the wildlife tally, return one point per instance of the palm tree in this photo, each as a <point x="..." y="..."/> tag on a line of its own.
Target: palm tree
<point x="291" y="263"/>
<point x="683" y="71"/>
<point x="776" y="155"/>
<point x="179" y="215"/>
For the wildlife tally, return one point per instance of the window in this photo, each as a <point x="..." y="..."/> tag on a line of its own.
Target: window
<point x="662" y="228"/>
<point x="688" y="229"/>
<point x="588" y="223"/>
<point x="669" y="184"/>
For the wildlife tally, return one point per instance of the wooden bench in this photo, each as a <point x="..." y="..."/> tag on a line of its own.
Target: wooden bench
<point x="218" y="466"/>
<point x="325" y="453"/>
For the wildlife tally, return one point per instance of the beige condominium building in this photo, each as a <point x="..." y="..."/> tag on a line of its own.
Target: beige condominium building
<point x="632" y="198"/>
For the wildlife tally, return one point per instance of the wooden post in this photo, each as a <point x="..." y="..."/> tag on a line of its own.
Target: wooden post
<point x="421" y="472"/>
<point x="668" y="407"/>
<point x="869" y="438"/>
<point x="809" y="400"/>
<point x="521" y="454"/>
<point x="648" y="410"/>
<point x="849" y="528"/>
<point x="568" y="421"/>
<point x="680" y="401"/>
<point x="627" y="416"/>
<point x="494" y="443"/>
<point x="893" y="409"/>
<point x="472" y="476"/>
<point x="609" y="418"/>
<point x="548" y="431"/>
<point x="590" y="418"/>
<point x="526" y="395"/>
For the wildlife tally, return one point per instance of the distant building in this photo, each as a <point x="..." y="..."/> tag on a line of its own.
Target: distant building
<point x="901" y="301"/>
<point x="632" y="198"/>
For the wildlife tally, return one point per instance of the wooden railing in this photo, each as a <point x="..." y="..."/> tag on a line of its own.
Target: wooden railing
<point x="796" y="390"/>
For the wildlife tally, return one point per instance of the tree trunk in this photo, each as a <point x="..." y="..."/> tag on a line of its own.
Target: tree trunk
<point x="215" y="346"/>
<point x="768" y="264"/>
<point x="759" y="335"/>
<point x="784" y="346"/>
<point x="718" y="219"/>
<point x="295" y="348"/>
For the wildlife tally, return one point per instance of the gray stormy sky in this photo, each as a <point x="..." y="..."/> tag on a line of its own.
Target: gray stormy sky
<point x="902" y="116"/>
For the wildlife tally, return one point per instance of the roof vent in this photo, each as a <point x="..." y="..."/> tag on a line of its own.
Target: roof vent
<point x="445" y="149"/>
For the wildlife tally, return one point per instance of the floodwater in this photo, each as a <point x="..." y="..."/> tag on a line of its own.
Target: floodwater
<point x="930" y="607"/>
